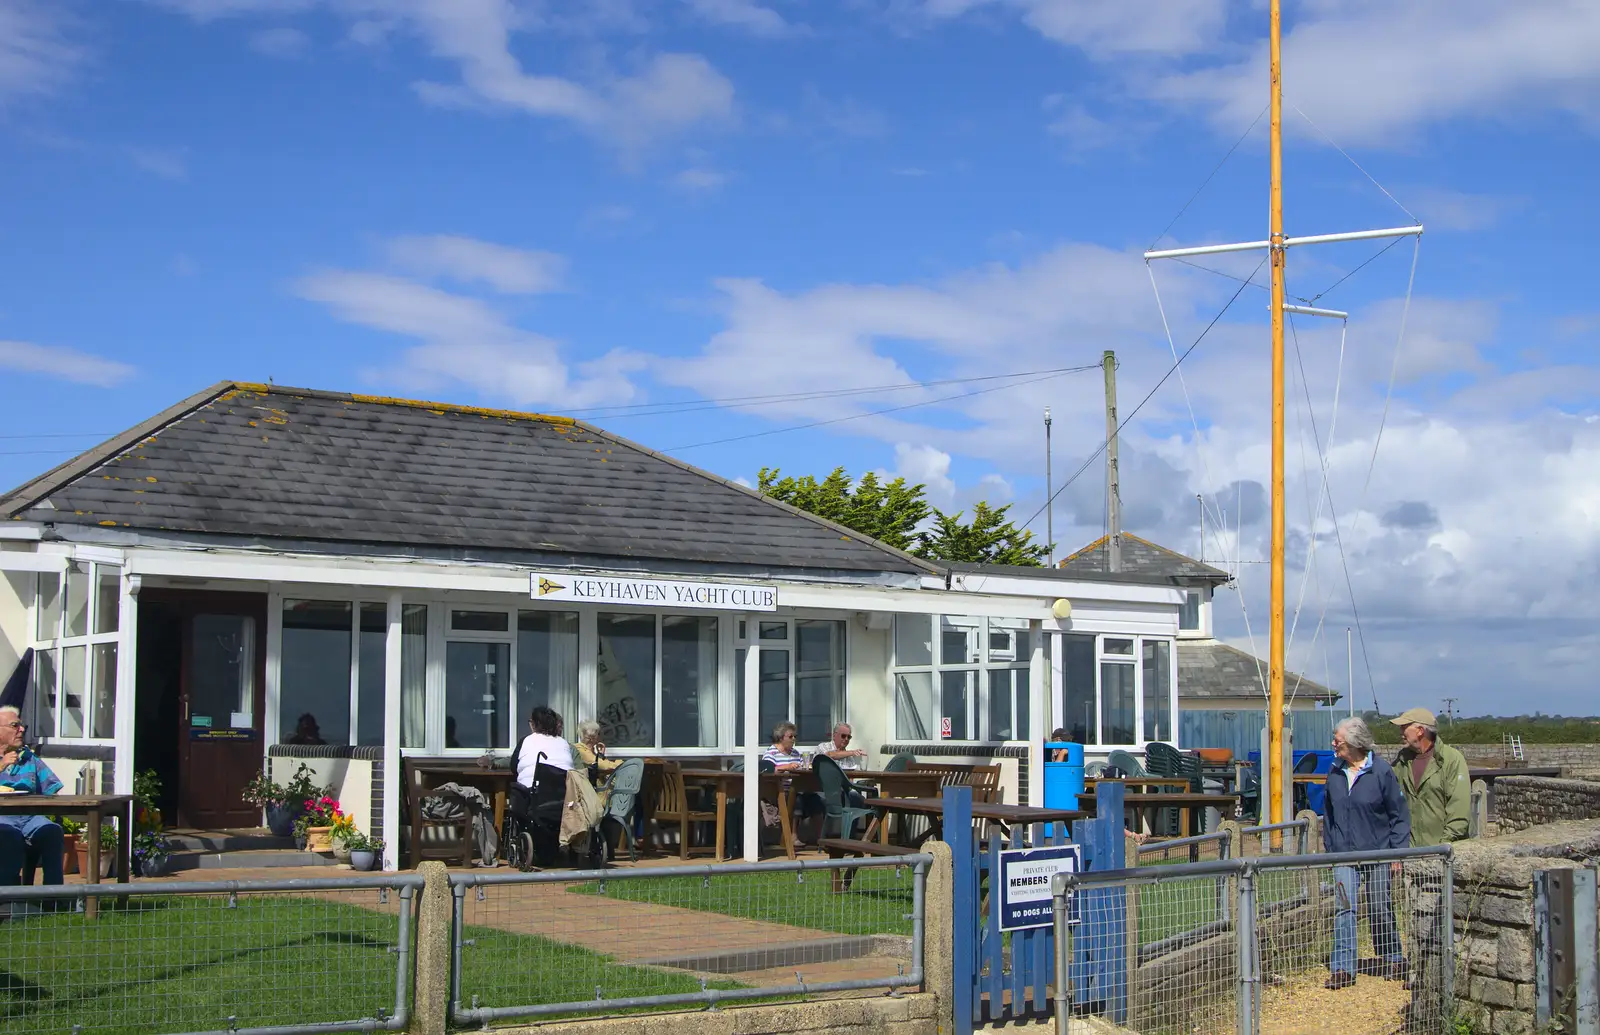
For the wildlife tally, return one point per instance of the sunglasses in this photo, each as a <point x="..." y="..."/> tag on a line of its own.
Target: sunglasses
<point x="16" y="725"/>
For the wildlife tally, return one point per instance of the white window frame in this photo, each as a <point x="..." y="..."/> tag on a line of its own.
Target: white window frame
<point x="980" y="662"/>
<point x="58" y="644"/>
<point x="272" y="722"/>
<point x="838" y="706"/>
<point x="1136" y="660"/>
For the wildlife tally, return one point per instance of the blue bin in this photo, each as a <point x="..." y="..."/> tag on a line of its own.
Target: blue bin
<point x="1063" y="781"/>
<point x="1315" y="793"/>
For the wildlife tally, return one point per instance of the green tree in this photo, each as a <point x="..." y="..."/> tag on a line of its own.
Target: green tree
<point x="897" y="514"/>
<point x="988" y="539"/>
<point x="888" y="511"/>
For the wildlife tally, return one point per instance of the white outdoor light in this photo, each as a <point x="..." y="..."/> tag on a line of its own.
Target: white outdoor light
<point x="1062" y="608"/>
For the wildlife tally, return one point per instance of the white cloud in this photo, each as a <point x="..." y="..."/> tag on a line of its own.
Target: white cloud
<point x="700" y="179"/>
<point x="1109" y="29"/>
<point x="464" y="341"/>
<point x="743" y="14"/>
<point x="512" y="271"/>
<point x="63" y="363"/>
<point x="167" y="163"/>
<point x="927" y="466"/>
<point x="1369" y="71"/>
<point x="280" y="42"/>
<point x="36" y="55"/>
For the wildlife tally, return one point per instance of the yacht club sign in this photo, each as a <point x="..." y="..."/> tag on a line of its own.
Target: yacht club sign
<point x="609" y="589"/>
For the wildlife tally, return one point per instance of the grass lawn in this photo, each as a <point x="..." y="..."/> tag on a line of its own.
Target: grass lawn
<point x="193" y="964"/>
<point x="879" y="900"/>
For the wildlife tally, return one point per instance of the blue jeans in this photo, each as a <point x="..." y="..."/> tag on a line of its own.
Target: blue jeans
<point x="20" y="833"/>
<point x="1349" y="882"/>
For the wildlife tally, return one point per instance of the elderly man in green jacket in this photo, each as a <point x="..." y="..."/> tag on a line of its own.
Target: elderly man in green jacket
<point x="1434" y="778"/>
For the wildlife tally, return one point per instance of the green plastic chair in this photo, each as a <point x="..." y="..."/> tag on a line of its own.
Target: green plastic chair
<point x="898" y="763"/>
<point x="836" y="796"/>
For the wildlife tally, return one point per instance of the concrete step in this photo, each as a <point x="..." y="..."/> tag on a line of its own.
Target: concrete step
<point x="227" y="841"/>
<point x="247" y="859"/>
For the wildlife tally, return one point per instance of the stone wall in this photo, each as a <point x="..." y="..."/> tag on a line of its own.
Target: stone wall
<point x="1529" y="801"/>
<point x="1493" y="913"/>
<point x="1574" y="759"/>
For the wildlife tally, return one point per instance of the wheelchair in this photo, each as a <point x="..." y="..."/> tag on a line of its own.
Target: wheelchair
<point x="533" y="819"/>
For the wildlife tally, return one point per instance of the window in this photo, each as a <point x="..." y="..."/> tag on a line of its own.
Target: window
<point x="76" y="621"/>
<point x="626" y="674"/>
<point x="413" y="675"/>
<point x="978" y="683"/>
<point x="802" y="679"/>
<point x="688" y="681"/>
<point x="547" y="665"/>
<point x="477" y="694"/>
<point x="1189" y="613"/>
<point x="1116" y="691"/>
<point x="370" y="668"/>
<point x="314" y="672"/>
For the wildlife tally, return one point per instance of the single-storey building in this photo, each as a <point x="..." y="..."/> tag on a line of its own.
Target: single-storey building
<point x="264" y="576"/>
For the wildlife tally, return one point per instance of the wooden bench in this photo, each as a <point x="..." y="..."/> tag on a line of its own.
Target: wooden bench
<point x="983" y="779"/>
<point x="849" y="848"/>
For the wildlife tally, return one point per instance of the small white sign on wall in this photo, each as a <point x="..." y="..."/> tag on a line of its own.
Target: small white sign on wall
<point x="944" y="727"/>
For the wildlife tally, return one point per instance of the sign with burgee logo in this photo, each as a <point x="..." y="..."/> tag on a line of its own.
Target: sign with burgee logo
<point x="613" y="590"/>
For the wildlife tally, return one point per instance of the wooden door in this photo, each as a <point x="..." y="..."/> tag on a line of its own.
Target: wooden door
<point x="221" y="699"/>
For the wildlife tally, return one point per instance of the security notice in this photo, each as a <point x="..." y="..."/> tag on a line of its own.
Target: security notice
<point x="1024" y="900"/>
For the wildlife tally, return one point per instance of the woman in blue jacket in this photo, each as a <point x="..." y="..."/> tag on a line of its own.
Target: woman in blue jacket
<point x="1365" y="811"/>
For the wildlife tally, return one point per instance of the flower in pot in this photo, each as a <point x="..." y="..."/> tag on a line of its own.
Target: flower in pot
<point x="364" y="851"/>
<point x="341" y="833"/>
<point x="152" y="854"/>
<point x="318" y="816"/>
<point x="71" y="841"/>
<point x="273" y="799"/>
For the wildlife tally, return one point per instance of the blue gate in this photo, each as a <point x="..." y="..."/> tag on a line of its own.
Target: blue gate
<point x="1002" y="977"/>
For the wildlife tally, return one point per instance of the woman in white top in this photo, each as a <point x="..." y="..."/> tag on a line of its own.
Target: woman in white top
<point x="545" y="740"/>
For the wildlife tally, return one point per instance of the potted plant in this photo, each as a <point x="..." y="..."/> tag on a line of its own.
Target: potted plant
<point x="273" y="799"/>
<point x="152" y="854"/>
<point x="71" y="835"/>
<point x="341" y="833"/>
<point x="317" y="817"/>
<point x="108" y="851"/>
<point x="363" y="850"/>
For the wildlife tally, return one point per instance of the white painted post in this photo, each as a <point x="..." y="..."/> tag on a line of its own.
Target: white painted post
<point x="751" y="836"/>
<point x="127" y="668"/>
<point x="1038" y="702"/>
<point x="391" y="736"/>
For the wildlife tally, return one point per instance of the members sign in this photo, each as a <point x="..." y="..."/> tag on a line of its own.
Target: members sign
<point x="610" y="589"/>
<point x="1024" y="900"/>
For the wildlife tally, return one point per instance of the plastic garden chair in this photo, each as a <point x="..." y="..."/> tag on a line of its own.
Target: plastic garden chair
<point x="836" y="796"/>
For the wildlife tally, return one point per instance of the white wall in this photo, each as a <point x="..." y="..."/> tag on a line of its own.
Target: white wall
<point x="351" y="779"/>
<point x="16" y="632"/>
<point x="868" y="696"/>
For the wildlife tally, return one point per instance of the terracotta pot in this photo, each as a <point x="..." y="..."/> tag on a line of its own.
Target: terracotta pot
<point x="317" y="839"/>
<point x="108" y="859"/>
<point x="69" y="859"/>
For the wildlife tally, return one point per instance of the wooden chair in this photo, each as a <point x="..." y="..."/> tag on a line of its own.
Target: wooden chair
<point x="452" y="840"/>
<point x="983" y="779"/>
<point x="672" y="808"/>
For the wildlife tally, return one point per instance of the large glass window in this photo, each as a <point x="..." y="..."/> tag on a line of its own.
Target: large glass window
<point x="314" y="672"/>
<point x="688" y="681"/>
<point x="802" y="679"/>
<point x="1189" y="612"/>
<point x="413" y="675"/>
<point x="977" y="683"/>
<point x="1080" y="718"/>
<point x="1116" y="703"/>
<point x="477" y="683"/>
<point x="1157" y="677"/>
<point x="76" y="618"/>
<point x="1117" y="691"/>
<point x="370" y="665"/>
<point x="626" y="676"/>
<point x="547" y="665"/>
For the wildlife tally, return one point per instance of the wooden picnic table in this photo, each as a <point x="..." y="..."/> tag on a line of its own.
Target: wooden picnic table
<point x="1146" y="805"/>
<point x="1141" y="784"/>
<point x="95" y="809"/>
<point x="993" y="812"/>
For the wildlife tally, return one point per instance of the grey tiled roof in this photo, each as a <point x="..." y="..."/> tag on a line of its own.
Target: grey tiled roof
<point x="284" y="463"/>
<point x="1141" y="557"/>
<point x="1210" y="668"/>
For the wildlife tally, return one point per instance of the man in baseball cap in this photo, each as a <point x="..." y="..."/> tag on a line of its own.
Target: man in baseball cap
<point x="1434" y="778"/>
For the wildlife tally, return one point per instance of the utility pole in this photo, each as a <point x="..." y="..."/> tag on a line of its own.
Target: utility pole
<point x="1350" y="669"/>
<point x="1113" y="489"/>
<point x="1049" y="497"/>
<point x="1200" y="501"/>
<point x="1450" y="709"/>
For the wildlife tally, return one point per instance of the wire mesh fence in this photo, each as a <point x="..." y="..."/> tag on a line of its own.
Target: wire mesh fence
<point x="1279" y="945"/>
<point x="303" y="955"/>
<point x="542" y="944"/>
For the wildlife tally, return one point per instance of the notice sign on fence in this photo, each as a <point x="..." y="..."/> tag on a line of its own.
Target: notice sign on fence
<point x="1024" y="900"/>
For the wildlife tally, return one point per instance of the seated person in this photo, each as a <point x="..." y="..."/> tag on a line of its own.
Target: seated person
<point x="21" y="771"/>
<point x="590" y="753"/>
<point x="839" y="748"/>
<point x="544" y="746"/>
<point x="783" y="756"/>
<point x="1060" y="736"/>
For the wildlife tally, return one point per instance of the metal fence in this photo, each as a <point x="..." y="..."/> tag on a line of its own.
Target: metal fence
<point x="1292" y="837"/>
<point x="1260" y="946"/>
<point x="249" y="958"/>
<point x="544" y="944"/>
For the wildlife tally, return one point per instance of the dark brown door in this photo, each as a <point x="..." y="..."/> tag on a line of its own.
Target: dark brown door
<point x="221" y="697"/>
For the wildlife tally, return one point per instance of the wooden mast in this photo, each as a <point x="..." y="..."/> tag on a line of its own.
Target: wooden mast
<point x="1272" y="765"/>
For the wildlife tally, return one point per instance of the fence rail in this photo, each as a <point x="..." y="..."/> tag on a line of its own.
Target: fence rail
<point x="555" y="943"/>
<point x="210" y="956"/>
<point x="1253" y="945"/>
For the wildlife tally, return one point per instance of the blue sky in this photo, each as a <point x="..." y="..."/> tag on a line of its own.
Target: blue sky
<point x="583" y="208"/>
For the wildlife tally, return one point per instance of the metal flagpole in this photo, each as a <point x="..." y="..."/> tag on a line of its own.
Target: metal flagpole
<point x="1049" y="501"/>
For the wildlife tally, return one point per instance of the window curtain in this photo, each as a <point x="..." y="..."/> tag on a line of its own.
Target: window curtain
<point x="706" y="693"/>
<point x="413" y="675"/>
<point x="562" y="673"/>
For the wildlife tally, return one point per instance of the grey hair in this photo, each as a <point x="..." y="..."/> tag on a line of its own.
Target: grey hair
<point x="780" y="729"/>
<point x="1356" y="734"/>
<point x="588" y="728"/>
<point x="13" y="709"/>
<point x="842" y="726"/>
